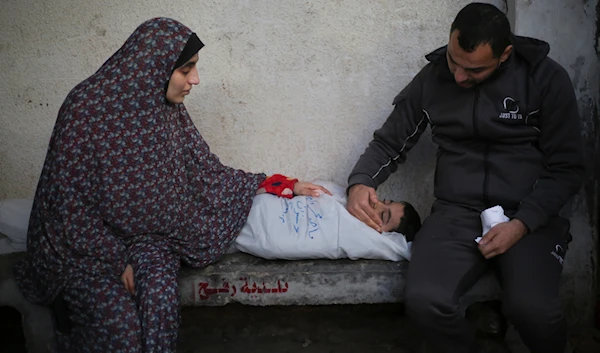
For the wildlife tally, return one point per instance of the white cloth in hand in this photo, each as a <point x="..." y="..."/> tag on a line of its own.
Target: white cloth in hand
<point x="489" y="218"/>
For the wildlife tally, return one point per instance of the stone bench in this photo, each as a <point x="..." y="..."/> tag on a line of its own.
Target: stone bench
<point x="250" y="280"/>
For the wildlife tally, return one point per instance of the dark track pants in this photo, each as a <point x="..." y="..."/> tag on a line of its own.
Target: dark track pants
<point x="104" y="317"/>
<point x="446" y="262"/>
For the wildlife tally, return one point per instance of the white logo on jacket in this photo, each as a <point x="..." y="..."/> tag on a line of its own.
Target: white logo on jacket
<point x="512" y="110"/>
<point x="557" y="253"/>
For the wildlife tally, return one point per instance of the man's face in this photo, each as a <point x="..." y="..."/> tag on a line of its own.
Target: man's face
<point x="182" y="80"/>
<point x="390" y="213"/>
<point x="471" y="68"/>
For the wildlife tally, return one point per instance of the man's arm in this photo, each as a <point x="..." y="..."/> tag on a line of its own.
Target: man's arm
<point x="560" y="141"/>
<point x="398" y="135"/>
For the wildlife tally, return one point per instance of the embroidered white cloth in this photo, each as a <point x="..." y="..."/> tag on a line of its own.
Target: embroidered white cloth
<point x="314" y="228"/>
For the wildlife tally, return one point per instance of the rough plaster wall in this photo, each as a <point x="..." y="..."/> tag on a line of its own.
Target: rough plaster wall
<point x="286" y="86"/>
<point x="570" y="26"/>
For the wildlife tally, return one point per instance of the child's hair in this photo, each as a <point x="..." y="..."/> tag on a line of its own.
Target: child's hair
<point x="410" y="223"/>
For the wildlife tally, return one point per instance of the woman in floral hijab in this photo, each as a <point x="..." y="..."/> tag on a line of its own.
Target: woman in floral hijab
<point x="129" y="189"/>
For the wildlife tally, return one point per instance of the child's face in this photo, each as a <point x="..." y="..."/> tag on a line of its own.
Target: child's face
<point x="390" y="213"/>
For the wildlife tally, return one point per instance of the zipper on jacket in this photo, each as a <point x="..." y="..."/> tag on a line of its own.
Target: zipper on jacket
<point x="486" y="150"/>
<point x="486" y="179"/>
<point x="475" y="103"/>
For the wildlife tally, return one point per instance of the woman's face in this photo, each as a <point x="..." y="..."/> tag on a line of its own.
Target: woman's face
<point x="182" y="80"/>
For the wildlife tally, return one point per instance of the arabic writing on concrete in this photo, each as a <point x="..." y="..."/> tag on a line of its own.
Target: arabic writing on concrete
<point x="296" y="210"/>
<point x="205" y="292"/>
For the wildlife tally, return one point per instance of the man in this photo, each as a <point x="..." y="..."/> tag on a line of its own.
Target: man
<point x="504" y="117"/>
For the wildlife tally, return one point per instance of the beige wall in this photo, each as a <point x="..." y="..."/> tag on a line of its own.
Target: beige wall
<point x="295" y="87"/>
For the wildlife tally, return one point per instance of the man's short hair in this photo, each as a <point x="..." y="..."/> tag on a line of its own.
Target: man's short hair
<point x="480" y="23"/>
<point x="410" y="223"/>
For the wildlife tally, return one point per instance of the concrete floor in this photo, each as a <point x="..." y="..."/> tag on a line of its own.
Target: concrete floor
<point x="323" y="329"/>
<point x="326" y="329"/>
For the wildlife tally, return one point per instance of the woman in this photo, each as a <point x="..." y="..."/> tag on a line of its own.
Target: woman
<point x="128" y="190"/>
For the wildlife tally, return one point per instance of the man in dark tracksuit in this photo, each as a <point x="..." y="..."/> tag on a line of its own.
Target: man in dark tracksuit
<point x="505" y="119"/>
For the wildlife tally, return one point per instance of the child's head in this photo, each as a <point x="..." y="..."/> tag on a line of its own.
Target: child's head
<point x="399" y="217"/>
<point x="410" y="222"/>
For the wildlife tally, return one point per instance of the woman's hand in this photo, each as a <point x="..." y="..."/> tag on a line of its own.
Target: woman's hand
<point x="309" y="189"/>
<point x="127" y="279"/>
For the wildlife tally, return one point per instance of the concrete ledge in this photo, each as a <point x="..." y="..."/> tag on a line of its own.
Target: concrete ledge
<point x="253" y="281"/>
<point x="250" y="280"/>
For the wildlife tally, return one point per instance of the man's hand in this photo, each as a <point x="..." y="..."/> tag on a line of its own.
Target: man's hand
<point x="361" y="200"/>
<point x="127" y="279"/>
<point x="309" y="189"/>
<point x="502" y="237"/>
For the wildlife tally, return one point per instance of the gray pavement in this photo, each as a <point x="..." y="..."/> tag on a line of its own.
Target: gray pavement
<point x="237" y="328"/>
<point x="327" y="329"/>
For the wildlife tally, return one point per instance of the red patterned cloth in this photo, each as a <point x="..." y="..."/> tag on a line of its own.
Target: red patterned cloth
<point x="279" y="185"/>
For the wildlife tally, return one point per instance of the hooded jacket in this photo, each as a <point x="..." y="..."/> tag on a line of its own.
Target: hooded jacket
<point x="512" y="140"/>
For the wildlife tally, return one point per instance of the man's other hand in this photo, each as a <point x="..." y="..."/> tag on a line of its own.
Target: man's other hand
<point x="502" y="237"/>
<point x="361" y="200"/>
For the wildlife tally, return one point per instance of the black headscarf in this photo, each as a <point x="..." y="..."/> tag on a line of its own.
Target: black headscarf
<point x="193" y="45"/>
